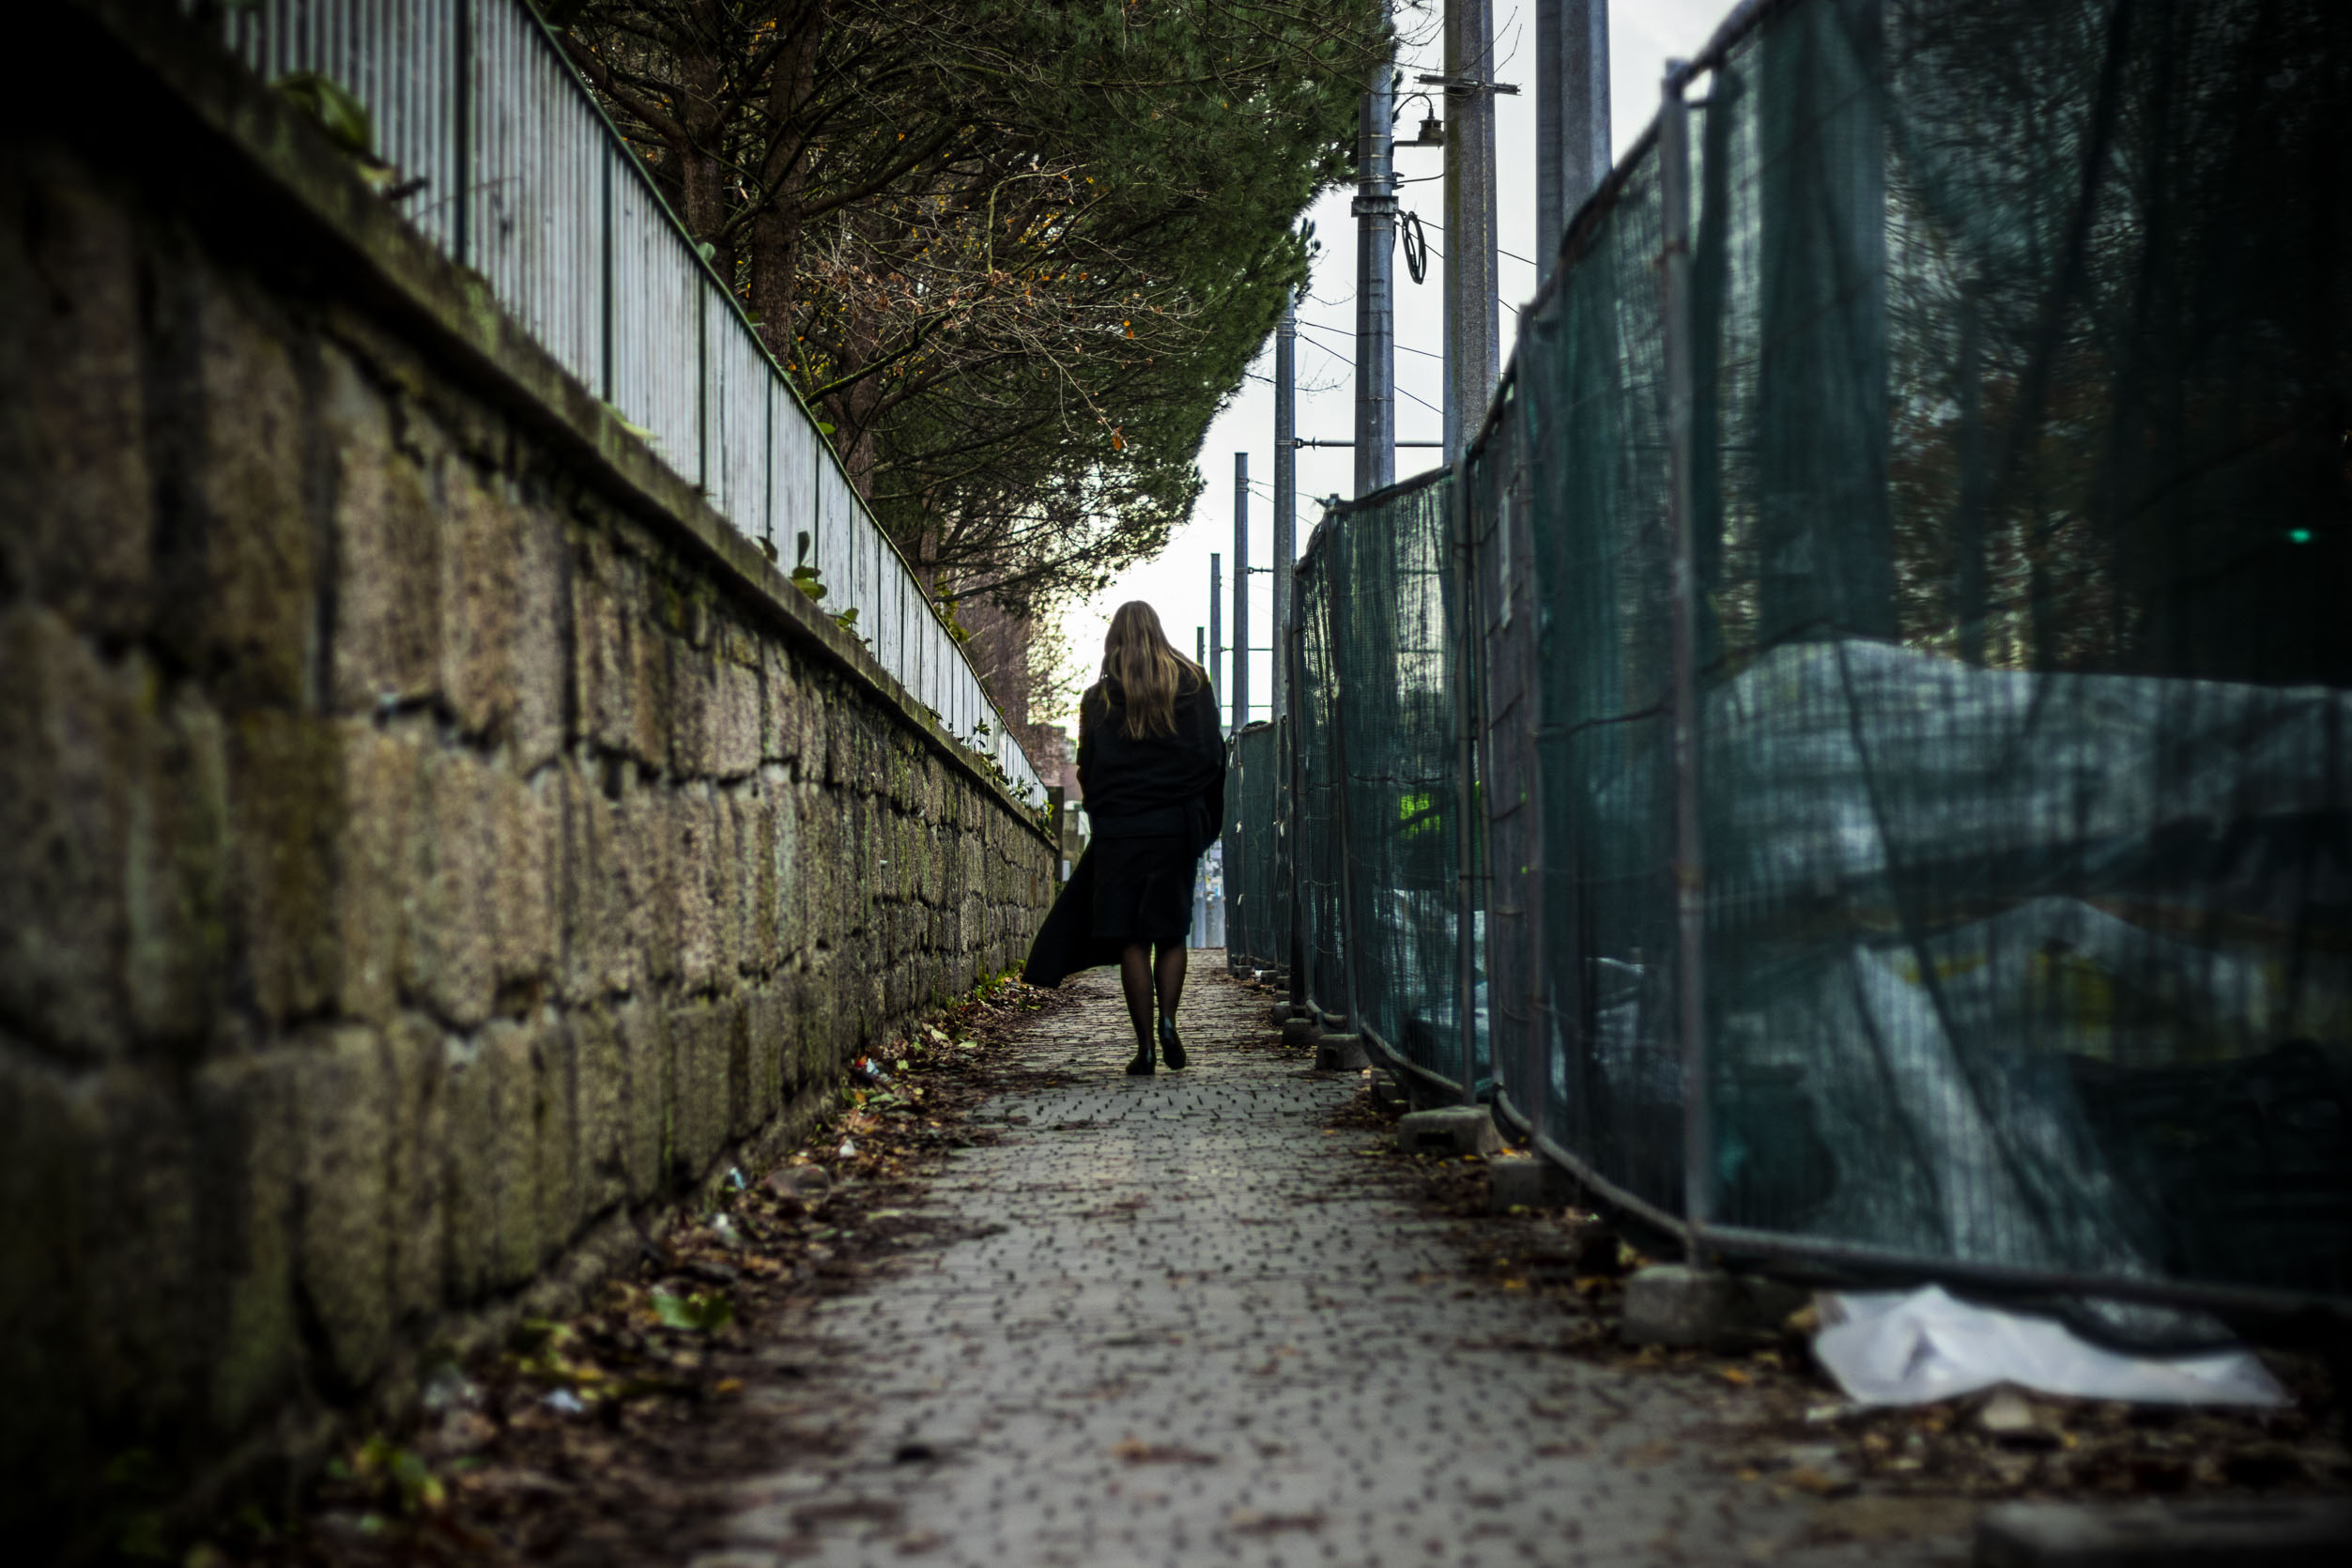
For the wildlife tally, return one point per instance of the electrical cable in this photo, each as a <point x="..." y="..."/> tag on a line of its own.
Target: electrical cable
<point x="1399" y="389"/>
<point x="1424" y="402"/>
<point x="1499" y="250"/>
<point x="1415" y="247"/>
<point x="1339" y="331"/>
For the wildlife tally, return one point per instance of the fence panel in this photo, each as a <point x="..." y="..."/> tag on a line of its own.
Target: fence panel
<point x="1506" y="642"/>
<point x="1256" y="866"/>
<point x="2024" y="746"/>
<point x="655" y="386"/>
<point x="738" y="384"/>
<point x="534" y="188"/>
<point x="1314" y="813"/>
<point x="1391" y="624"/>
<point x="1591" y="370"/>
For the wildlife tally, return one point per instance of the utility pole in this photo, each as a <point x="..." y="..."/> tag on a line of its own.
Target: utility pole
<point x="1240" y="591"/>
<point x="1215" y="616"/>
<point x="1572" y="127"/>
<point x="1286" y="500"/>
<point x="1473" y="328"/>
<point x="1376" y="278"/>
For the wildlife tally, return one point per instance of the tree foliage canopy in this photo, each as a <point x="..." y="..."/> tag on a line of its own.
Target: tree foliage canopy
<point x="1017" y="251"/>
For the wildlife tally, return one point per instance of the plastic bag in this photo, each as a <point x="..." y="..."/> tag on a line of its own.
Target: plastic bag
<point x="1913" y="1347"/>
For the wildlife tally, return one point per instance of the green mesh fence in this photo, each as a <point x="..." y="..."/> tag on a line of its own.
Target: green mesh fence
<point x="1569" y="524"/>
<point x="2018" y="383"/>
<point x="2017" y="524"/>
<point x="1386" y="634"/>
<point x="1258" y="871"/>
<point x="1314" y="816"/>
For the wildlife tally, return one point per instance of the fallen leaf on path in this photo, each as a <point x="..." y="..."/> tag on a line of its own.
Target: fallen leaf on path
<point x="1250" y="1521"/>
<point x="1135" y="1452"/>
<point x="1820" y="1484"/>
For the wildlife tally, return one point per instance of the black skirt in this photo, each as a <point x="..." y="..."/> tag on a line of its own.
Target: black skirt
<point x="1121" y="891"/>
<point x="1143" y="889"/>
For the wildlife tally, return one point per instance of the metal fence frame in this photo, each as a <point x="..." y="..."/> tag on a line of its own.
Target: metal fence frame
<point x="1694" y="1224"/>
<point x="1447" y="1066"/>
<point x="1256" y="869"/>
<point x="527" y="182"/>
<point x="1495" y="529"/>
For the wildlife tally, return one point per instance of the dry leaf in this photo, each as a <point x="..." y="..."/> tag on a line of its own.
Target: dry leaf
<point x="1135" y="1452"/>
<point x="1806" y="1479"/>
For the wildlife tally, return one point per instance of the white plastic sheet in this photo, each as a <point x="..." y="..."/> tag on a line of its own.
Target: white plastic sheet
<point x="1913" y="1347"/>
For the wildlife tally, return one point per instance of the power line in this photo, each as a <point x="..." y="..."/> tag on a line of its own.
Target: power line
<point x="1441" y="255"/>
<point x="1441" y="228"/>
<point x="1422" y="352"/>
<point x="1401" y="348"/>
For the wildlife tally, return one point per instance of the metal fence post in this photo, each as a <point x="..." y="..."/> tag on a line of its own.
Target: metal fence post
<point x="1349" y="964"/>
<point x="702" y="405"/>
<point x="1465" y="777"/>
<point x="1294" y="654"/>
<point x="461" y="157"/>
<point x="1689" y="863"/>
<point x="607" y="324"/>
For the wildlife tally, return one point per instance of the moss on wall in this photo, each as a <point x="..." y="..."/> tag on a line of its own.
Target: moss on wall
<point x="422" y="838"/>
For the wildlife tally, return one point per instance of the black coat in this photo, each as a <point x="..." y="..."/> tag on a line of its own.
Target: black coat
<point x="1126" y="776"/>
<point x="1165" y="793"/>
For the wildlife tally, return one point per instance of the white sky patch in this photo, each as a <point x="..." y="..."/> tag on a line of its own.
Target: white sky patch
<point x="1643" y="35"/>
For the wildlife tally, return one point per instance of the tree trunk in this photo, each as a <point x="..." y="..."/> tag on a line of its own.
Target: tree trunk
<point x="776" y="229"/>
<point x="702" y="161"/>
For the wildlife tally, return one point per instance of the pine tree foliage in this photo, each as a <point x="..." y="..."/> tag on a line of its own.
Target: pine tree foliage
<point x="1018" y="253"/>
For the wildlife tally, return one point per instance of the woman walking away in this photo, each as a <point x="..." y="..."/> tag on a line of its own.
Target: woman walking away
<point x="1153" y="769"/>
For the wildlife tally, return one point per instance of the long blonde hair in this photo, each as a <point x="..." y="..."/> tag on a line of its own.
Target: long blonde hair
<point x="1139" y="659"/>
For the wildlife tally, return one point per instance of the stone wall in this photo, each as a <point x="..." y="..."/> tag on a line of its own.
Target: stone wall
<point x="430" y="842"/>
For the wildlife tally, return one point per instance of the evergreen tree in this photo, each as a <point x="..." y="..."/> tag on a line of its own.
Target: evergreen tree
<point x="1018" y="253"/>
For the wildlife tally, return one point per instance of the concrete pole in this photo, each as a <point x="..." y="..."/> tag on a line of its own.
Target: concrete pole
<point x="1572" y="126"/>
<point x="1240" y="591"/>
<point x="1473" y="328"/>
<point x="1286" y="500"/>
<point x="1216" y="617"/>
<point x="1375" y="285"/>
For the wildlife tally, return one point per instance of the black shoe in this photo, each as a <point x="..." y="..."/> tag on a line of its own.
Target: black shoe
<point x="1141" y="1066"/>
<point x="1170" y="1046"/>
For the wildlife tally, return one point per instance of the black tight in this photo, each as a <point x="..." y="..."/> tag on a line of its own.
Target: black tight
<point x="1139" y="976"/>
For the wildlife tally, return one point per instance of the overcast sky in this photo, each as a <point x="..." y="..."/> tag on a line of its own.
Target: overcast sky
<point x="1643" y="35"/>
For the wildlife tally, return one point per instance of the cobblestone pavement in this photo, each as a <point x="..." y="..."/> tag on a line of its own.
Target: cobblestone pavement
<point x="1192" y="1328"/>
